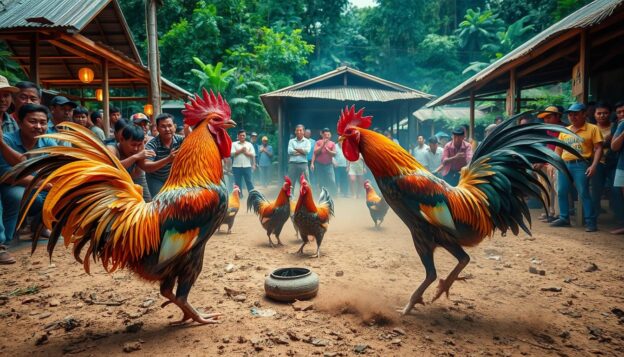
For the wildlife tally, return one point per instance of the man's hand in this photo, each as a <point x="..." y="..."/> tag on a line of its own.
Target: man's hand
<point x="590" y="171"/>
<point x="312" y="166"/>
<point x="173" y="154"/>
<point x="144" y="154"/>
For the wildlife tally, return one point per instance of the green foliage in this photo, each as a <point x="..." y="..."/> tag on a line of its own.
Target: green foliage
<point x="9" y="68"/>
<point x="478" y="27"/>
<point x="515" y="35"/>
<point x="280" y="52"/>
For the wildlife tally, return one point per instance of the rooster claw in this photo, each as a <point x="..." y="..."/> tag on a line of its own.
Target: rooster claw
<point x="443" y="288"/>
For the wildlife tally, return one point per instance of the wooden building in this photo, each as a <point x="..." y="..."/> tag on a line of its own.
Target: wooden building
<point x="53" y="40"/>
<point x="317" y="102"/>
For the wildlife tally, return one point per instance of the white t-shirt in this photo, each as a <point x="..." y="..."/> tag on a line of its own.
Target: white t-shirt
<point x="242" y="160"/>
<point x="419" y="153"/>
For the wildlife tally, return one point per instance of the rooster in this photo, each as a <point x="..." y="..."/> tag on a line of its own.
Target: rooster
<point x="377" y="206"/>
<point x="293" y="205"/>
<point x="93" y="203"/>
<point x="233" y="206"/>
<point x="273" y="214"/>
<point x="312" y="219"/>
<point x="489" y="196"/>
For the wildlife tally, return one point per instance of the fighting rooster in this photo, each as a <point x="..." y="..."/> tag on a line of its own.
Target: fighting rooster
<point x="377" y="206"/>
<point x="233" y="206"/>
<point x="93" y="203"/>
<point x="312" y="219"/>
<point x="273" y="214"/>
<point x="489" y="196"/>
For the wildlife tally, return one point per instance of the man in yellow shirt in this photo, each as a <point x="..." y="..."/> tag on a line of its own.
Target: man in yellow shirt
<point x="590" y="147"/>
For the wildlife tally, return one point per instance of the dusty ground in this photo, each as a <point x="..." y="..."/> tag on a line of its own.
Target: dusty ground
<point x="503" y="310"/>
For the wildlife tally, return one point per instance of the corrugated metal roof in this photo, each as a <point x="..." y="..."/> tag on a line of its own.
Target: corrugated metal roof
<point x="347" y="93"/>
<point x="589" y="15"/>
<point x="71" y="14"/>
<point x="402" y="92"/>
<point x="452" y="113"/>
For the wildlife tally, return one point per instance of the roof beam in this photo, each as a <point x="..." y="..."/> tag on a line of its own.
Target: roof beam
<point x="548" y="60"/>
<point x="75" y="51"/>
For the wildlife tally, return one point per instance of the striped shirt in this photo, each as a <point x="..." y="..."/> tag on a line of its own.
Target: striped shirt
<point x="162" y="152"/>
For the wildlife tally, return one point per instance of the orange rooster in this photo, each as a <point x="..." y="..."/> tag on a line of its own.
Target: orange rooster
<point x="377" y="206"/>
<point x="233" y="206"/>
<point x="273" y="214"/>
<point x="489" y="196"/>
<point x="312" y="219"/>
<point x="93" y="203"/>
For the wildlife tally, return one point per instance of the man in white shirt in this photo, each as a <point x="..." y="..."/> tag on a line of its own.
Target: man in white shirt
<point x="298" y="149"/>
<point x="420" y="150"/>
<point x="243" y="161"/>
<point x="433" y="155"/>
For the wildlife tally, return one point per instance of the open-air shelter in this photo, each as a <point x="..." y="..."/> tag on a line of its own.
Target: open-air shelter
<point x="584" y="47"/>
<point x="53" y="39"/>
<point x="316" y="103"/>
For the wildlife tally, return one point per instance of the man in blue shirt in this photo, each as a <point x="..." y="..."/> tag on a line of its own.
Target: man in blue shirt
<point x="265" y="155"/>
<point x="32" y="121"/>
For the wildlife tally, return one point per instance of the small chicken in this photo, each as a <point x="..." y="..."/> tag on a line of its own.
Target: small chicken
<point x="377" y="206"/>
<point x="273" y="214"/>
<point x="233" y="206"/>
<point x="310" y="218"/>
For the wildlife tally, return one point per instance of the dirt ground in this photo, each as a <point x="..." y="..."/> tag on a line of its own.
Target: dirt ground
<point x="574" y="308"/>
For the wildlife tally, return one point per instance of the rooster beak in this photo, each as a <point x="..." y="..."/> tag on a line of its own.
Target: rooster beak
<point x="341" y="139"/>
<point x="229" y="124"/>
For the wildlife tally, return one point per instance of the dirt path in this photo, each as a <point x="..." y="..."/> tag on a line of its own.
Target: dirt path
<point x="365" y="275"/>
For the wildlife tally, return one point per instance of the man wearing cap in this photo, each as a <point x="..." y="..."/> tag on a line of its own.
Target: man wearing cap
<point x="324" y="152"/>
<point x="552" y="116"/>
<point x="62" y="110"/>
<point x="457" y="153"/>
<point x="590" y="147"/>
<point x="141" y="120"/>
<point x="265" y="155"/>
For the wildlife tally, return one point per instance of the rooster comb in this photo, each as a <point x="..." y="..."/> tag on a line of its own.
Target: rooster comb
<point x="201" y="106"/>
<point x="349" y="118"/>
<point x="287" y="180"/>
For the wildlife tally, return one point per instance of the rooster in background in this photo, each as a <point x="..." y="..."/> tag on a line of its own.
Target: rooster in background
<point x="489" y="196"/>
<point x="93" y="203"/>
<point x="377" y="206"/>
<point x="233" y="206"/>
<point x="273" y="214"/>
<point x="312" y="219"/>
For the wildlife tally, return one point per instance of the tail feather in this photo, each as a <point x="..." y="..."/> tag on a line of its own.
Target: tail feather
<point x="254" y="200"/>
<point x="502" y="170"/>
<point x="325" y="199"/>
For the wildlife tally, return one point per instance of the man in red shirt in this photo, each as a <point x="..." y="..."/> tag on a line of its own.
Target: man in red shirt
<point x="457" y="154"/>
<point x="324" y="152"/>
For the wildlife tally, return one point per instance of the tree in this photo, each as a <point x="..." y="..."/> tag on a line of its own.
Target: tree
<point x="507" y="40"/>
<point x="479" y="27"/>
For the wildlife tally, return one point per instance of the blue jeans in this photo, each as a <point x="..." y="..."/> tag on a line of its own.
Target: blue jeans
<point x="581" y="182"/>
<point x="325" y="177"/>
<point x="11" y="200"/>
<point x="240" y="174"/>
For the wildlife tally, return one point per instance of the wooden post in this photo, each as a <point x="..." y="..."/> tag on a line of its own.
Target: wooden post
<point x="281" y="150"/>
<point x="472" y="116"/>
<point x="34" y="59"/>
<point x="511" y="93"/>
<point x="105" y="97"/>
<point x="152" y="56"/>
<point x="584" y="67"/>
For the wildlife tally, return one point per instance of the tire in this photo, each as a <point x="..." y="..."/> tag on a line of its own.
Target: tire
<point x="290" y="284"/>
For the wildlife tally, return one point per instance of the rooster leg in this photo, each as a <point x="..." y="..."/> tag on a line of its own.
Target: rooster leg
<point x="279" y="242"/>
<point x="463" y="259"/>
<point x="270" y="241"/>
<point x="166" y="290"/>
<point x="318" y="246"/>
<point x="426" y="257"/>
<point x="184" y="287"/>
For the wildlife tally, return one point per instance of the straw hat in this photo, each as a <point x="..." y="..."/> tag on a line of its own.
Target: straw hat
<point x="6" y="87"/>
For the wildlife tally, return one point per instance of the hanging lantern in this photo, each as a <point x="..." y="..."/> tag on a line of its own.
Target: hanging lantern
<point x="99" y="94"/>
<point x="148" y="109"/>
<point x="86" y="75"/>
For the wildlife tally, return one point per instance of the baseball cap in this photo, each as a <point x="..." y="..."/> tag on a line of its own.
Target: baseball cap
<point x="138" y="118"/>
<point x="253" y="133"/>
<point x="264" y="138"/>
<point x="576" y="107"/>
<point x="60" y="100"/>
<point x="6" y="87"/>
<point x="549" y="110"/>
